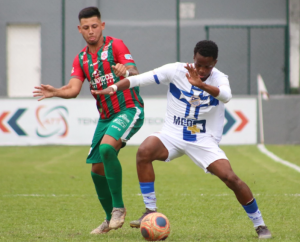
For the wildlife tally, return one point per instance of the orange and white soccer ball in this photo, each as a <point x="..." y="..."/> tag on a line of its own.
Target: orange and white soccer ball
<point x="155" y="226"/>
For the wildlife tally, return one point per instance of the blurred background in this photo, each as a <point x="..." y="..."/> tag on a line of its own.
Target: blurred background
<point x="39" y="39"/>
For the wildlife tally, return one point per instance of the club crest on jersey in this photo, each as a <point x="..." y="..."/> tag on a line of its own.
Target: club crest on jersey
<point x="195" y="101"/>
<point x="104" y="55"/>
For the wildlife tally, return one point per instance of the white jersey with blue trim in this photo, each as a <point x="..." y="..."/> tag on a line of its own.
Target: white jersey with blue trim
<point x="191" y="112"/>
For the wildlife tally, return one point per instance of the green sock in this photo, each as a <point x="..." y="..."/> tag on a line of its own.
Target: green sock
<point x="113" y="173"/>
<point x="103" y="193"/>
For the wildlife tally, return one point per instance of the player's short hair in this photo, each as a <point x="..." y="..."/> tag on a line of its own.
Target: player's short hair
<point x="206" y="48"/>
<point x="89" y="12"/>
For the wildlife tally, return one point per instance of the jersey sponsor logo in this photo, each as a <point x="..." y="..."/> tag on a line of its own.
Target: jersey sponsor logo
<point x="183" y="121"/>
<point x="128" y="57"/>
<point x="104" y="55"/>
<point x="192" y="125"/>
<point x="101" y="80"/>
<point x="96" y="74"/>
<point x="194" y="129"/>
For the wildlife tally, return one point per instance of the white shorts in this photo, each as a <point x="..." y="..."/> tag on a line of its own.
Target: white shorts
<point x="203" y="152"/>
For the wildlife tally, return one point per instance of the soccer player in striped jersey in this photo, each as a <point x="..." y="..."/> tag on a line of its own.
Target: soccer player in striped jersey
<point x="193" y="126"/>
<point x="103" y="62"/>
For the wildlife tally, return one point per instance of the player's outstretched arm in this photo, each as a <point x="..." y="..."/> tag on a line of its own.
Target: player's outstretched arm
<point x="121" y="85"/>
<point x="69" y="91"/>
<point x="143" y="79"/>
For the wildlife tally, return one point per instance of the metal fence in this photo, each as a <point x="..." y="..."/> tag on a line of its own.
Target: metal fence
<point x="160" y="32"/>
<point x="249" y="50"/>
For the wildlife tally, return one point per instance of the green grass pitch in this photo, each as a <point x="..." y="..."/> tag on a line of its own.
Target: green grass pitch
<point x="47" y="194"/>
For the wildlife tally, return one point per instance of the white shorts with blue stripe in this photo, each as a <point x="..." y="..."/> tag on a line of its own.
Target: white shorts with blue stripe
<point x="202" y="152"/>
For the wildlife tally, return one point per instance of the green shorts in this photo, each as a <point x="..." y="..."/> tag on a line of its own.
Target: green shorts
<point x="122" y="125"/>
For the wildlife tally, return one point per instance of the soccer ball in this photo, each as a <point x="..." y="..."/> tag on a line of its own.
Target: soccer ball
<point x="155" y="226"/>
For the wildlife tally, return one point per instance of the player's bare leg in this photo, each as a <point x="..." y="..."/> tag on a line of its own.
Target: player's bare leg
<point x="222" y="169"/>
<point x="151" y="149"/>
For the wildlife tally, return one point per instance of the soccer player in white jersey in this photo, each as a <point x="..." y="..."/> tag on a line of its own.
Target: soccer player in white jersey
<point x="193" y="126"/>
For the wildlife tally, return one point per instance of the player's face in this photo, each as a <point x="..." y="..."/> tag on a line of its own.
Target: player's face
<point x="91" y="29"/>
<point x="204" y="65"/>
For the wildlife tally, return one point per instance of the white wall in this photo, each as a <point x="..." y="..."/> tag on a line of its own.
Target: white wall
<point x="23" y="59"/>
<point x="294" y="42"/>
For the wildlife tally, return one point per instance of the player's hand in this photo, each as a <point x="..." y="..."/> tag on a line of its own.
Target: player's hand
<point x="107" y="91"/>
<point x="193" y="76"/>
<point x="119" y="69"/>
<point x="44" y="91"/>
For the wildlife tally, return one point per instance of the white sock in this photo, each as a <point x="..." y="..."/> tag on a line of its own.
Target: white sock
<point x="256" y="218"/>
<point x="150" y="200"/>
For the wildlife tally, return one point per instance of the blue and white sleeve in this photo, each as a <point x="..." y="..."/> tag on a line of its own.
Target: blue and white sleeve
<point x="159" y="75"/>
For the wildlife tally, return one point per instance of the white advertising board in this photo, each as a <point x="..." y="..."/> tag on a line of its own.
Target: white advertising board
<point x="72" y="122"/>
<point x="240" y="125"/>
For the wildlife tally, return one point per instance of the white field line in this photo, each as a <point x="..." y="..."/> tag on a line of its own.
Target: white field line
<point x="264" y="150"/>
<point x="184" y="194"/>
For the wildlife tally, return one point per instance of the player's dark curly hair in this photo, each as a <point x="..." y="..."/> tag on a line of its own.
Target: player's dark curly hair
<point x="206" y="48"/>
<point x="89" y="12"/>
